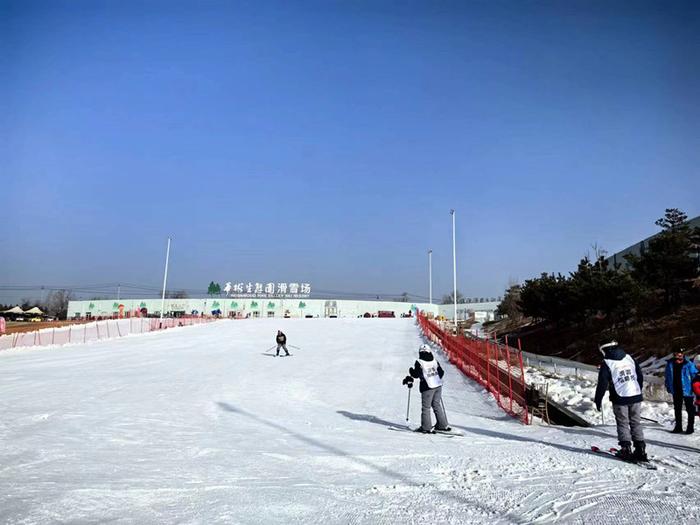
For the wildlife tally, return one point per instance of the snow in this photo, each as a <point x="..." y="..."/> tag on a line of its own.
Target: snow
<point x="201" y="425"/>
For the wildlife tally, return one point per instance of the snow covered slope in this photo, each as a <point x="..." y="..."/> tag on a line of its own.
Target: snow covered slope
<point x="200" y="425"/>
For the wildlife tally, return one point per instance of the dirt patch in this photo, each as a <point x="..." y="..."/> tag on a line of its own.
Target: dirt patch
<point x="18" y="327"/>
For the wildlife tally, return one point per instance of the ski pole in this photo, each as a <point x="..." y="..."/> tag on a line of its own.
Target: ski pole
<point x="294" y="346"/>
<point x="409" y="404"/>
<point x="271" y="348"/>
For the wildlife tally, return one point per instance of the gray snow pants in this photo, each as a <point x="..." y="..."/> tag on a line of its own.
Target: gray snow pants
<point x="629" y="417"/>
<point x="285" y="349"/>
<point x="432" y="398"/>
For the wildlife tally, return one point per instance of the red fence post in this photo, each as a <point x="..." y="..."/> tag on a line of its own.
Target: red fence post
<point x="498" y="371"/>
<point x="510" y="375"/>
<point x="488" y="366"/>
<point x="522" y="375"/>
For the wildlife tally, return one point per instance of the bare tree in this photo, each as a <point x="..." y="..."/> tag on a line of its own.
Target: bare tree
<point x="57" y="303"/>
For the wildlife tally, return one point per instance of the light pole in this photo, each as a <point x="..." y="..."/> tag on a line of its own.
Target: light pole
<point x="454" y="269"/>
<point x="430" y="276"/>
<point x="165" y="280"/>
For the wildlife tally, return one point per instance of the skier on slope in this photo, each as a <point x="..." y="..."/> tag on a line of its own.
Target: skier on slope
<point x="429" y="372"/>
<point x="281" y="340"/>
<point x="622" y="374"/>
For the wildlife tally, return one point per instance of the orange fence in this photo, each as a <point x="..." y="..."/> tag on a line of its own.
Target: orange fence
<point x="97" y="331"/>
<point x="498" y="367"/>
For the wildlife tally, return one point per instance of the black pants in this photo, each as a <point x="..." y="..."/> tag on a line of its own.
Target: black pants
<point x="678" y="402"/>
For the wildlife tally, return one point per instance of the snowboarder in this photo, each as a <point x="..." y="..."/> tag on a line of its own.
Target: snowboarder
<point x="622" y="374"/>
<point x="429" y="372"/>
<point x="680" y="372"/>
<point x="281" y="343"/>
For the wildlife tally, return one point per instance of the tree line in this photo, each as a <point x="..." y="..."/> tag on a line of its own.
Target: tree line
<point x="662" y="278"/>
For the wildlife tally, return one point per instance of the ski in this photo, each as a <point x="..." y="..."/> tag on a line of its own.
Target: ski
<point x="448" y="432"/>
<point x="611" y="452"/>
<point x="416" y="431"/>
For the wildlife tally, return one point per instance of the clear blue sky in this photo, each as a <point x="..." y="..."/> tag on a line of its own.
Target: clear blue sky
<point x="327" y="141"/>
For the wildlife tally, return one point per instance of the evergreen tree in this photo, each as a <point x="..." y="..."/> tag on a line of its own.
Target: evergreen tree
<point x="670" y="262"/>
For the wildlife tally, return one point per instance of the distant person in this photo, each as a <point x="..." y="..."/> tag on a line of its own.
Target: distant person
<point x="2" y="325"/>
<point x="430" y="373"/>
<point x="680" y="372"/>
<point x="623" y="376"/>
<point x="696" y="386"/>
<point x="281" y="343"/>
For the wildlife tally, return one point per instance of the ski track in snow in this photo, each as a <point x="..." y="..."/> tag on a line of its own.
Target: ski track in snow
<point x="194" y="425"/>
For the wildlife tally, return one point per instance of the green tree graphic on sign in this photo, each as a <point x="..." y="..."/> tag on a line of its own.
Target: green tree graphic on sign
<point x="91" y="306"/>
<point x="234" y="305"/>
<point x="271" y="305"/>
<point x="143" y="304"/>
<point x="302" y="304"/>
<point x="215" y="305"/>
<point x="115" y="306"/>
<point x="254" y="304"/>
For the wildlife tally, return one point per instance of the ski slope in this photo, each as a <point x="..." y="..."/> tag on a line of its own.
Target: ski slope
<point x="200" y="425"/>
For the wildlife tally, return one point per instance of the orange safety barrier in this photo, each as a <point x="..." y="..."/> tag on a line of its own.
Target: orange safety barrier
<point x="99" y="330"/>
<point x="497" y="367"/>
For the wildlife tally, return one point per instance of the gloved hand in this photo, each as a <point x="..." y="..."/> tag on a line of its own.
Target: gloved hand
<point x="408" y="381"/>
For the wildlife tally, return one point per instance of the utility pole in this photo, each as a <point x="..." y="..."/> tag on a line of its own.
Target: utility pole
<point x="454" y="268"/>
<point x="165" y="280"/>
<point x="430" y="276"/>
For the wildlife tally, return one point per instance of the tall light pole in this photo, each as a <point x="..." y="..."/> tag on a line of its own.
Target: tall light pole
<point x="454" y="268"/>
<point x="430" y="276"/>
<point x="165" y="280"/>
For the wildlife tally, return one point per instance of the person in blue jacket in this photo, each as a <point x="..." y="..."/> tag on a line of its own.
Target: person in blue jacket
<point x="680" y="372"/>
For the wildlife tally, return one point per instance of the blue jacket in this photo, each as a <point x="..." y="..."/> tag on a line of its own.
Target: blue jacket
<point x="687" y="373"/>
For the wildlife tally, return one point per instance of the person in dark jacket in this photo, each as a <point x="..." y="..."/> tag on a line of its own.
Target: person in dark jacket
<point x="430" y="373"/>
<point x="680" y="372"/>
<point x="621" y="374"/>
<point x="281" y="343"/>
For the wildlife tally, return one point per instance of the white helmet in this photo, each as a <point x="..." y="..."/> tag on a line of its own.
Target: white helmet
<point x="424" y="348"/>
<point x="607" y="345"/>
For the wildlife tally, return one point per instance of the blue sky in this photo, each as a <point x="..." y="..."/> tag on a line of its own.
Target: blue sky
<point x="326" y="141"/>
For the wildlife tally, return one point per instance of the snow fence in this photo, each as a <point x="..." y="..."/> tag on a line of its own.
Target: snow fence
<point x="97" y="331"/>
<point x="498" y="367"/>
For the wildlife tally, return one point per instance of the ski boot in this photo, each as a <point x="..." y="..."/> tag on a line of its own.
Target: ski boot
<point x="640" y="451"/>
<point x="625" y="452"/>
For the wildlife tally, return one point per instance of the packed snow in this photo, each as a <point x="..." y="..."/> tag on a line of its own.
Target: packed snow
<point x="204" y="425"/>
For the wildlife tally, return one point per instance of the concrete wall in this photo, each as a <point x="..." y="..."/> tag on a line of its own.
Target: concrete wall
<point x="279" y="307"/>
<point x="483" y="311"/>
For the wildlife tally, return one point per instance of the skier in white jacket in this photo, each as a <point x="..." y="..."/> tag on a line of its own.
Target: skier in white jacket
<point x="429" y="372"/>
